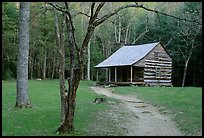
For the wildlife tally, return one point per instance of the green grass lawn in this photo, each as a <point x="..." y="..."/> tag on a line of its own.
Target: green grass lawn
<point x="183" y="104"/>
<point x="44" y="116"/>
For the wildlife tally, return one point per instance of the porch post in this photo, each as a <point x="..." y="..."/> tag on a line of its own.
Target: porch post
<point x="131" y="74"/>
<point x="96" y="74"/>
<point x="115" y="74"/>
<point x="109" y="74"/>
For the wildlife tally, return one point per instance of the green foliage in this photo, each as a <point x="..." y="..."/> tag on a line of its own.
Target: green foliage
<point x="183" y="104"/>
<point x="96" y="56"/>
<point x="9" y="39"/>
<point x="42" y="38"/>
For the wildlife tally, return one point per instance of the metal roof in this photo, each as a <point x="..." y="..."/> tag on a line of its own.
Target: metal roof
<point x="127" y="55"/>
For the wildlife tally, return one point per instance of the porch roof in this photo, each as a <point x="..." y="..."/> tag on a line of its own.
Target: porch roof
<point x="127" y="55"/>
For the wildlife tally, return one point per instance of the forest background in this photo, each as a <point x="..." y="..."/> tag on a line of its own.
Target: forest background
<point x="181" y="38"/>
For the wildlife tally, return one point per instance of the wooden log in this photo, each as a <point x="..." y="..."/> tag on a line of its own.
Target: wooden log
<point x="157" y="81"/>
<point x="158" y="66"/>
<point x="156" y="61"/>
<point x="149" y="77"/>
<point x="161" y="59"/>
<point x="160" y="84"/>
<point x="154" y="69"/>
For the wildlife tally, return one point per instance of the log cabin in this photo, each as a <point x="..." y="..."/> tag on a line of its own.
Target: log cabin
<point x="145" y="64"/>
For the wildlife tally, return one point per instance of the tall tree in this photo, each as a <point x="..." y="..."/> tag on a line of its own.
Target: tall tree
<point x="88" y="62"/>
<point x="22" y="99"/>
<point x="190" y="32"/>
<point x="60" y="44"/>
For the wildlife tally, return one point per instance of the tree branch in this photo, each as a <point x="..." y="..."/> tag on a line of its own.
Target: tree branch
<point x="57" y="7"/>
<point x="136" y="5"/>
<point x="85" y="14"/>
<point x="72" y="29"/>
<point x="143" y="33"/>
<point x="92" y="8"/>
<point x="98" y="10"/>
<point x="156" y="11"/>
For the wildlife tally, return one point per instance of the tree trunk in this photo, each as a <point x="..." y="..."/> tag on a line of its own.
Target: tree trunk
<point x="44" y="66"/>
<point x="88" y="63"/>
<point x="53" y="69"/>
<point x="22" y="99"/>
<point x="74" y="80"/>
<point x="126" y="34"/>
<point x="31" y="66"/>
<point x="119" y="30"/>
<point x="115" y="32"/>
<point x="82" y="73"/>
<point x="185" y="68"/>
<point x="82" y="34"/>
<point x="60" y="43"/>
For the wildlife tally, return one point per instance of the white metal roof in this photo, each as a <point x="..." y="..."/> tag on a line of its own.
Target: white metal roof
<point x="127" y="55"/>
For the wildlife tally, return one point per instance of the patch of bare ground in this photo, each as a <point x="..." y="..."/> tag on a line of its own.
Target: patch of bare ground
<point x="132" y="117"/>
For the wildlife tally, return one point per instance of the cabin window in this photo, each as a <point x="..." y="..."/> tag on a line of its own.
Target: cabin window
<point x="158" y="72"/>
<point x="156" y="55"/>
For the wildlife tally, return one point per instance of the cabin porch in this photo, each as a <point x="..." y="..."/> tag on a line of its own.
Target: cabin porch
<point x="125" y="75"/>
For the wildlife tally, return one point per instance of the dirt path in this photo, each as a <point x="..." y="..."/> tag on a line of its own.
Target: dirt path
<point x="146" y="120"/>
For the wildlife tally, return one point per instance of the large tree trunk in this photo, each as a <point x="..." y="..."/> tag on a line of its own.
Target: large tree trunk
<point x="22" y="99"/>
<point x="60" y="43"/>
<point x="73" y="81"/>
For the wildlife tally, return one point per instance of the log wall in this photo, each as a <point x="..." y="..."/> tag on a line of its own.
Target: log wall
<point x="157" y="67"/>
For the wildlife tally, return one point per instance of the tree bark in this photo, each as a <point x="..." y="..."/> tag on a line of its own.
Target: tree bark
<point x="126" y="34"/>
<point x="53" y="69"/>
<point x="185" y="68"/>
<point x="73" y="81"/>
<point x="88" y="63"/>
<point x="119" y="30"/>
<point x="31" y="65"/>
<point x="44" y="66"/>
<point x="22" y="99"/>
<point x="60" y="43"/>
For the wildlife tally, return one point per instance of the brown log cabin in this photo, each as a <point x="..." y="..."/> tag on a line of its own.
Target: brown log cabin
<point x="146" y="64"/>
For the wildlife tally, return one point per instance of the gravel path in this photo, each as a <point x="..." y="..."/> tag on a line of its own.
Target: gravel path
<point x="146" y="120"/>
